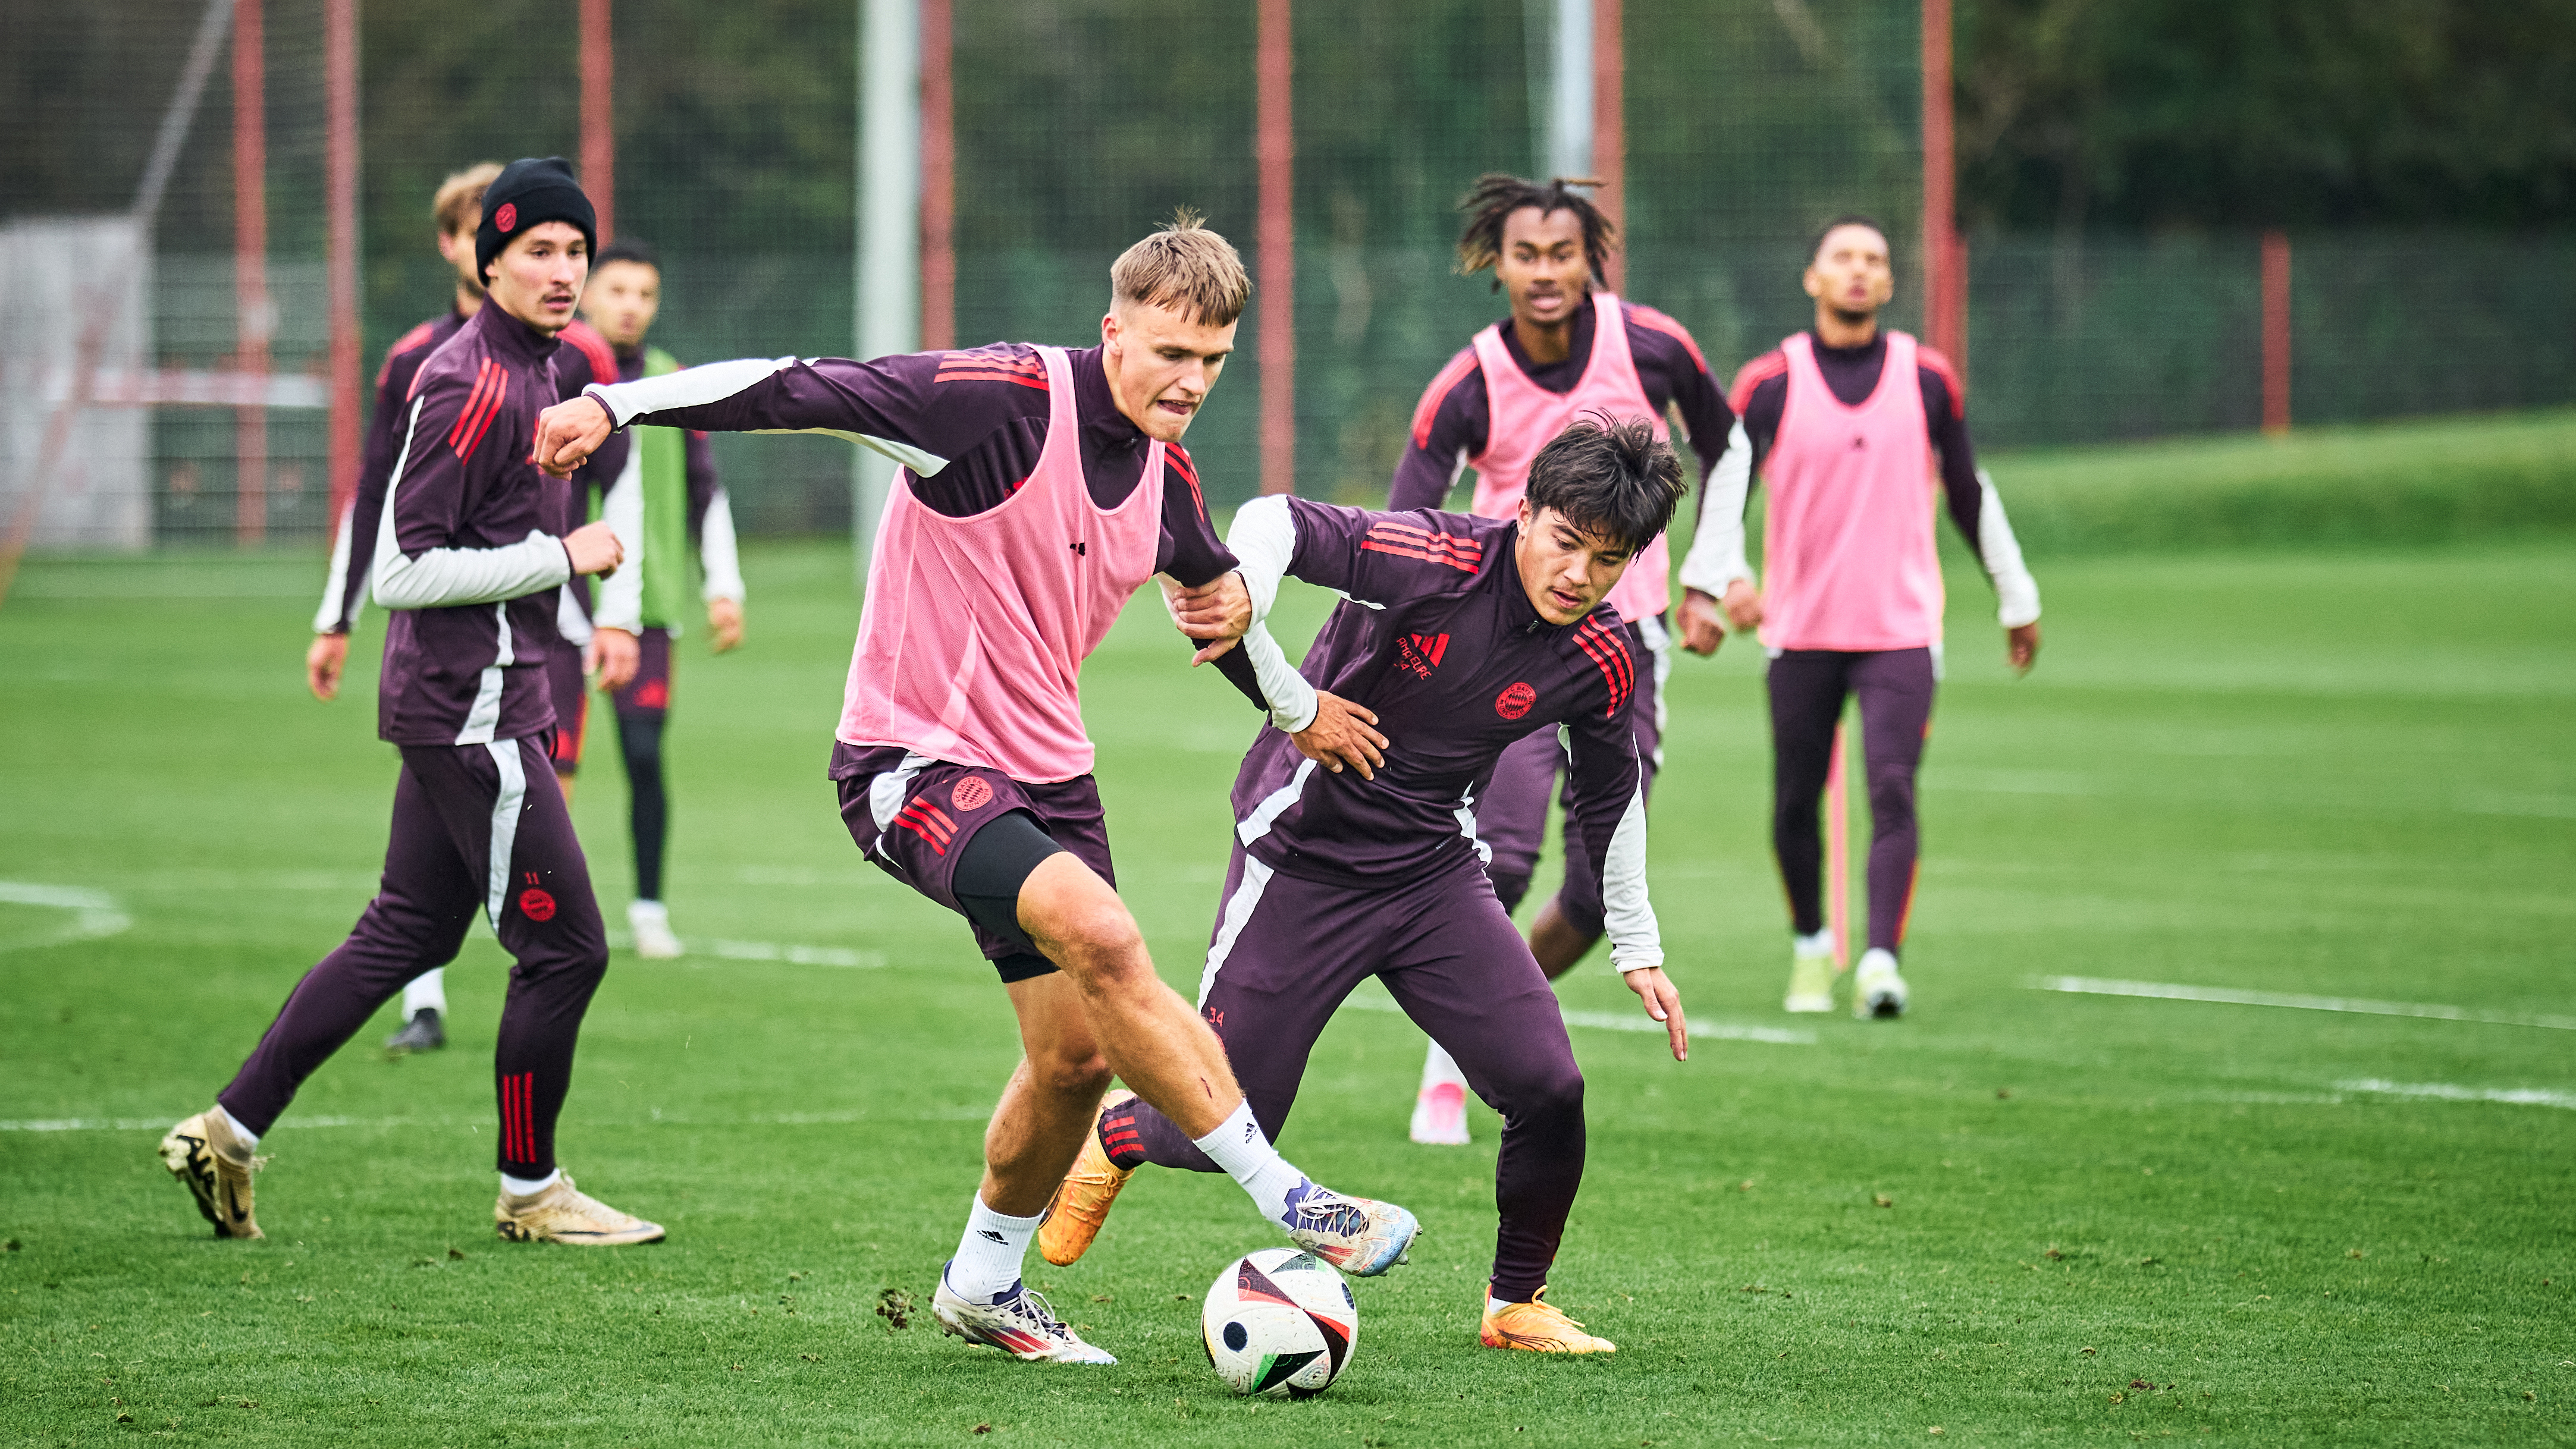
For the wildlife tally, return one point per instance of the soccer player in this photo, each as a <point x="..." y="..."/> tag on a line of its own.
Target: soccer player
<point x="464" y="560"/>
<point x="1039" y="489"/>
<point x="1568" y="348"/>
<point x="1853" y="426"/>
<point x="457" y="209"/>
<point x="662" y="492"/>
<point x="1458" y="635"/>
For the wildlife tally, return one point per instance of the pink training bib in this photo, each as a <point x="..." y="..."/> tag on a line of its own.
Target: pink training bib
<point x="972" y="638"/>
<point x="1848" y="538"/>
<point x="1523" y="417"/>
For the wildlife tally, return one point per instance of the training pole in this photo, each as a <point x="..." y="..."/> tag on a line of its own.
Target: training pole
<point x="2276" y="332"/>
<point x="938" y="180"/>
<point x="1945" y="272"/>
<point x="340" y="161"/>
<point x="1609" y="131"/>
<point x="888" y="311"/>
<point x="599" y="117"/>
<point x="1275" y="148"/>
<point x="1838" y="848"/>
<point x="255" y="316"/>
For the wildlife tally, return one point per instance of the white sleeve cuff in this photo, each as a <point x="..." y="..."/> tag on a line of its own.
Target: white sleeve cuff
<point x="689" y="387"/>
<point x="1292" y="699"/>
<point x="447" y="577"/>
<point x="716" y="551"/>
<point x="619" y="599"/>
<point x="2016" y="592"/>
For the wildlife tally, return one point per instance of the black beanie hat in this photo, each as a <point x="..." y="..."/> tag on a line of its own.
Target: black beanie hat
<point x="526" y="192"/>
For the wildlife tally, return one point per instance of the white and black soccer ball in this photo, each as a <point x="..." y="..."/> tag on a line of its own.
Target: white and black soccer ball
<point x="1279" y="1321"/>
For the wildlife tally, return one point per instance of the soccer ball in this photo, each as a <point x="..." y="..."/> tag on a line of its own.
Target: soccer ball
<point x="1279" y="1321"/>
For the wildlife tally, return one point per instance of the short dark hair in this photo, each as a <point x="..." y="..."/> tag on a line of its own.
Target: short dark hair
<point x="1496" y="195"/>
<point x="626" y="249"/>
<point x="1851" y="218"/>
<point x="1609" y="476"/>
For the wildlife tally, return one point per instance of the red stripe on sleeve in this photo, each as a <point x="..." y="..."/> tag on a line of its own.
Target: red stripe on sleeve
<point x="1755" y="373"/>
<point x="603" y="358"/>
<point x="473" y="400"/>
<point x="1649" y="317"/>
<point x="1438" y="392"/>
<point x="491" y="410"/>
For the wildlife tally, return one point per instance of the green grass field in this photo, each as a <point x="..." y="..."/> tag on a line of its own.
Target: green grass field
<point x="2018" y="1215"/>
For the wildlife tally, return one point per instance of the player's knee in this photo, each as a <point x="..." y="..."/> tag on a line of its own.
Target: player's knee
<point x="1891" y="798"/>
<point x="1548" y="1090"/>
<point x="1079" y="1072"/>
<point x="1098" y="943"/>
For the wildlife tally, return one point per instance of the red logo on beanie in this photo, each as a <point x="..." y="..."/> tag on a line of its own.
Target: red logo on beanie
<point x="1514" y="702"/>
<point x="507" y="217"/>
<point x="972" y="793"/>
<point x="536" y="905"/>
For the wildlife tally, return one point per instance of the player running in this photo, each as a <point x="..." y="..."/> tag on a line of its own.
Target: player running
<point x="1458" y="636"/>
<point x="464" y="558"/>
<point x="661" y="493"/>
<point x="458" y="210"/>
<point x="1568" y="348"/>
<point x="1040" y="488"/>
<point x="1851" y="424"/>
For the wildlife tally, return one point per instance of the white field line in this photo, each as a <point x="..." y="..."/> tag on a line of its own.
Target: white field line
<point x="2229" y="996"/>
<point x="94" y="913"/>
<point x="793" y="955"/>
<point x="2446" y="1092"/>
<point x="1620" y="1021"/>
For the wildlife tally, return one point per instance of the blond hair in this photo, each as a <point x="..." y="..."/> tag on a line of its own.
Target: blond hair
<point x="1187" y="268"/>
<point x="459" y="203"/>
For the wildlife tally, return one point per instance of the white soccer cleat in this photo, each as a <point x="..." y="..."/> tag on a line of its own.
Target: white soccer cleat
<point x="1440" y="1115"/>
<point x="1019" y="1322"/>
<point x="1361" y="1236"/>
<point x="651" y="923"/>
<point x="1877" y="991"/>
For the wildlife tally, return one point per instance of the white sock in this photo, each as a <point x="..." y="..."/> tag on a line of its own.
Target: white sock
<point x="653" y="911"/>
<point x="1439" y="1069"/>
<point x="249" y="1139"/>
<point x="427" y="992"/>
<point x="1819" y="944"/>
<point x="989" y="1255"/>
<point x="1240" y="1147"/>
<point x="529" y="1186"/>
<point x="1878" y="958"/>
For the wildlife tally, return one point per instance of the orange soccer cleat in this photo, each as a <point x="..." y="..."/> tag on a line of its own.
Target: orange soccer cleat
<point x="1082" y="1200"/>
<point x="1539" y="1327"/>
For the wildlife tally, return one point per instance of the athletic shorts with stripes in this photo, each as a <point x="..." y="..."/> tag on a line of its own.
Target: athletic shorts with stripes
<point x="914" y="817"/>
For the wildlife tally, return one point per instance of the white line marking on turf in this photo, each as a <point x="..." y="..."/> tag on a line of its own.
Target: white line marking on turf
<point x="2166" y="991"/>
<point x="1618" y="1021"/>
<point x="793" y="955"/>
<point x="965" y="1112"/>
<point x="94" y="913"/>
<point x="2446" y="1092"/>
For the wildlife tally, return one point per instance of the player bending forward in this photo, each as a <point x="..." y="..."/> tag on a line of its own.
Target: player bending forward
<point x="1568" y="348"/>
<point x="1848" y="421"/>
<point x="458" y="209"/>
<point x="1040" y="489"/>
<point x="1460" y="635"/>
<point x="464" y="559"/>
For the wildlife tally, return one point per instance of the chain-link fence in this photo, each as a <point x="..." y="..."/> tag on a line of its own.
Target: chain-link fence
<point x="1078" y="125"/>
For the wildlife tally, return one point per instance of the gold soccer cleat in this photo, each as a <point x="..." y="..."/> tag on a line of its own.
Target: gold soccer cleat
<point x="564" y="1214"/>
<point x="1538" y="1327"/>
<point x="204" y="1153"/>
<point x="1082" y="1200"/>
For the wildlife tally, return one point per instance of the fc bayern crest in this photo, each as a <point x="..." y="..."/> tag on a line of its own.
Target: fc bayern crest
<point x="507" y="217"/>
<point x="1514" y="702"/>
<point x="536" y="905"/>
<point x="972" y="793"/>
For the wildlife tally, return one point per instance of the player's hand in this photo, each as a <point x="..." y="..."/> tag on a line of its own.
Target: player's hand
<point x="724" y="624"/>
<point x="1342" y="735"/>
<point x="2021" y="646"/>
<point x="612" y="656"/>
<point x="568" y="433"/>
<point x="594" y="549"/>
<point x="1743" y="605"/>
<point x="1663" y="1003"/>
<point x="1218" y="612"/>
<point x="1703" y="627"/>
<point x="323" y="663"/>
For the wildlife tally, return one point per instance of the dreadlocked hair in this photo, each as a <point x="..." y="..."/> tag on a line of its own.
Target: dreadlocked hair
<point x="1496" y="195"/>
